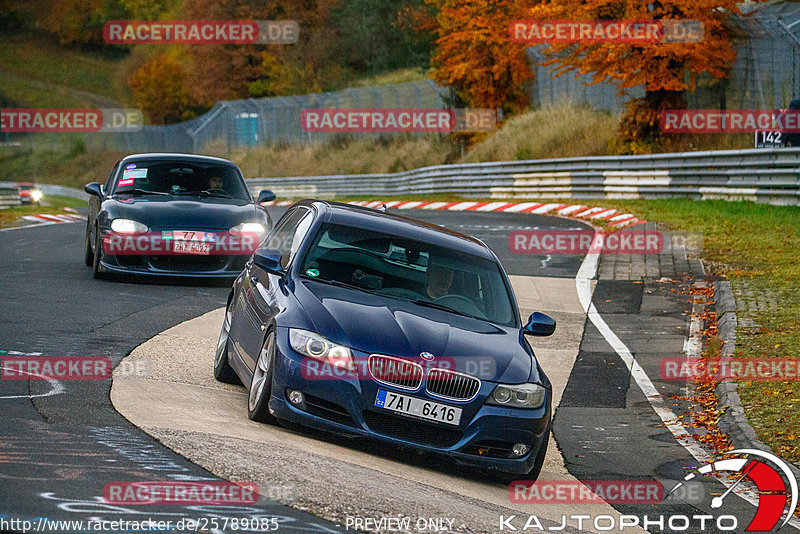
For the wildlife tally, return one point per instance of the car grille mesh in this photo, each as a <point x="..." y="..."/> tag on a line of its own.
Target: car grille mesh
<point x="412" y="431"/>
<point x="452" y="384"/>
<point x="395" y="371"/>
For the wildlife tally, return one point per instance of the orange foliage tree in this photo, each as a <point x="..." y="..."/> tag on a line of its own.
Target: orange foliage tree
<point x="475" y="56"/>
<point x="665" y="69"/>
<point x="161" y="91"/>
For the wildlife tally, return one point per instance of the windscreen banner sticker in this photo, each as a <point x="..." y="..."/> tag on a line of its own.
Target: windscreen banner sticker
<point x="129" y="175"/>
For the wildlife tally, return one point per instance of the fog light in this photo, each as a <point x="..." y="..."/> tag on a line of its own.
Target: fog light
<point x="296" y="397"/>
<point x="520" y="449"/>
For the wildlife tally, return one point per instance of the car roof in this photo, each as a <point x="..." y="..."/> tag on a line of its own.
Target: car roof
<point x="165" y="156"/>
<point x="391" y="223"/>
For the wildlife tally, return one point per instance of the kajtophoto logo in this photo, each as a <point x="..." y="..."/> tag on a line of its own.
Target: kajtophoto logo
<point x="771" y="481"/>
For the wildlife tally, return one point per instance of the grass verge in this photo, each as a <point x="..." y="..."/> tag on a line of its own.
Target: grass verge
<point x="55" y="205"/>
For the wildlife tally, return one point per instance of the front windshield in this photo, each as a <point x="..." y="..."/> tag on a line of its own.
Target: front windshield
<point x="402" y="268"/>
<point x="180" y="178"/>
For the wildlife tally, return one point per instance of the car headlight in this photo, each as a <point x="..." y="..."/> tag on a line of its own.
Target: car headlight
<point x="249" y="228"/>
<point x="315" y="346"/>
<point x="36" y="196"/>
<point x="518" y="396"/>
<point x="127" y="226"/>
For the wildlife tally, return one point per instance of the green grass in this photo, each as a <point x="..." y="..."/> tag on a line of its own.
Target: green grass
<point x="69" y="165"/>
<point x="51" y="205"/>
<point x="33" y="66"/>
<point x="392" y="77"/>
<point x="757" y="245"/>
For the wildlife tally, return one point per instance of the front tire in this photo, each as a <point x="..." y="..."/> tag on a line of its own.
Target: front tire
<point x="88" y="254"/>
<point x="96" y="273"/>
<point x="261" y="385"/>
<point x="222" y="367"/>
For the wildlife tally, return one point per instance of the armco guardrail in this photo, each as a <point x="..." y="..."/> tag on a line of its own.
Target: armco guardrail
<point x="10" y="188"/>
<point x="770" y="175"/>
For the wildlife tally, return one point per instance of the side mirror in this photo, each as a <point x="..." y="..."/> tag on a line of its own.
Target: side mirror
<point x="269" y="259"/>
<point x="266" y="196"/>
<point x="540" y="324"/>
<point x="94" y="189"/>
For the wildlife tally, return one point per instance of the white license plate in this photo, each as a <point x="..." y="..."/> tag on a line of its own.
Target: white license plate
<point x="404" y="404"/>
<point x="194" y="235"/>
<point x="191" y="247"/>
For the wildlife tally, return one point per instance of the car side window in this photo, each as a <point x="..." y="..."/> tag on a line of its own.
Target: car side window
<point x="287" y="234"/>
<point x="110" y="179"/>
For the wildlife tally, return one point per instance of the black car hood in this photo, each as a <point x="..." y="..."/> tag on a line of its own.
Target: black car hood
<point x="185" y="213"/>
<point x="375" y="324"/>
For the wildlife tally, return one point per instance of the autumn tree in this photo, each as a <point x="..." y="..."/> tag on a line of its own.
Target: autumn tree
<point x="161" y="90"/>
<point x="80" y="22"/>
<point x="475" y="56"/>
<point x="380" y="35"/>
<point x="666" y="70"/>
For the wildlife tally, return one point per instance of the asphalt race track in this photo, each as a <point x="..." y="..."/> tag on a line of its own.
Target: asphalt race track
<point x="62" y="442"/>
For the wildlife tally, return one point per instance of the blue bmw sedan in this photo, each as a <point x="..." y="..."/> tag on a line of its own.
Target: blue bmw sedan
<point x="363" y="323"/>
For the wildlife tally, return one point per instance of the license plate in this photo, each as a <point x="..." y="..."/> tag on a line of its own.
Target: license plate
<point x="191" y="247"/>
<point x="404" y="404"/>
<point x="193" y="235"/>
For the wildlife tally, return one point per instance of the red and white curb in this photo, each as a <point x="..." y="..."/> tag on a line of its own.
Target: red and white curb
<point x="56" y="219"/>
<point x="566" y="210"/>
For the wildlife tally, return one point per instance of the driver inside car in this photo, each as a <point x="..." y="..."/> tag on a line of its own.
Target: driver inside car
<point x="440" y="279"/>
<point x="215" y="182"/>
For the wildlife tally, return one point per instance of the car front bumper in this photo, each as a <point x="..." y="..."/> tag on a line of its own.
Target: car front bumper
<point x="346" y="407"/>
<point x="173" y="265"/>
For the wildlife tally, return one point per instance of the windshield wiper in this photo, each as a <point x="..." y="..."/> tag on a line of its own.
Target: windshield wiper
<point x="140" y="192"/>
<point x="442" y="307"/>
<point x="220" y="195"/>
<point x="337" y="283"/>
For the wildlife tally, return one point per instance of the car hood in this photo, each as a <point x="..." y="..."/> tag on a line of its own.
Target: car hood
<point x="185" y="213"/>
<point x="374" y="324"/>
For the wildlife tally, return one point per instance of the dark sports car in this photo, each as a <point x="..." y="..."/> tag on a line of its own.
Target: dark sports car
<point x="364" y="323"/>
<point x="174" y="215"/>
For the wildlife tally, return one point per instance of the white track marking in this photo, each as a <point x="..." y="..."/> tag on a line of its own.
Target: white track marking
<point x="586" y="273"/>
<point x="56" y="387"/>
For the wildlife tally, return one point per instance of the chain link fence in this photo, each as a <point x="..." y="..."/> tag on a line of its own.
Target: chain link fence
<point x="765" y="75"/>
<point x="242" y="123"/>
